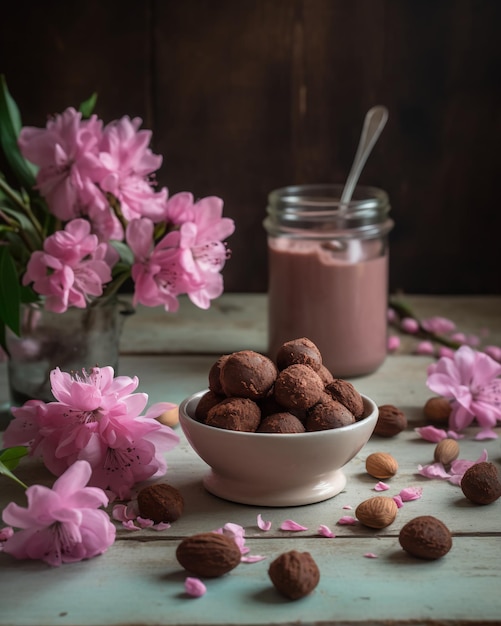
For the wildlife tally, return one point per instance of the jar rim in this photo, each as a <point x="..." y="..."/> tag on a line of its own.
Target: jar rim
<point x="326" y="196"/>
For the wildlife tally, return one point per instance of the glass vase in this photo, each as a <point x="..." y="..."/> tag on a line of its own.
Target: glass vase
<point x="75" y="340"/>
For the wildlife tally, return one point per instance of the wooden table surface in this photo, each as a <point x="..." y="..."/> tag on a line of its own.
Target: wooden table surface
<point x="138" y="580"/>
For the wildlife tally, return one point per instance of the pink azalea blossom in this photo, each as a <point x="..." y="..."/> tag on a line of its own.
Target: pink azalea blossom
<point x="471" y="380"/>
<point x="409" y="325"/>
<point x="438" y="325"/>
<point x="62" y="524"/>
<point x="292" y="526"/>
<point x="96" y="417"/>
<point x="393" y="343"/>
<point x="425" y="348"/>
<point x="444" y="351"/>
<point x="262" y="524"/>
<point x="391" y="315"/>
<point x="325" y="531"/>
<point x="5" y="533"/>
<point x="67" y="154"/>
<point x="494" y="352"/>
<point x="194" y="587"/>
<point x="71" y="270"/>
<point x="128" y="162"/>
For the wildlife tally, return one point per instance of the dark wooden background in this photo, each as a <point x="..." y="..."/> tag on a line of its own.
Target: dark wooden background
<point x="244" y="96"/>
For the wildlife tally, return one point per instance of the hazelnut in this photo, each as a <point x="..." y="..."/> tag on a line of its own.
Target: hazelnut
<point x="437" y="410"/>
<point x="446" y="451"/>
<point x="480" y="483"/>
<point x="381" y="465"/>
<point x="425" y="537"/>
<point x="208" y="554"/>
<point x="294" y="574"/>
<point x="377" y="512"/>
<point x="390" y="421"/>
<point x="160" y="502"/>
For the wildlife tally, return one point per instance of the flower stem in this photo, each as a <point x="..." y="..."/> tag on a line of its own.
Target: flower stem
<point x="403" y="309"/>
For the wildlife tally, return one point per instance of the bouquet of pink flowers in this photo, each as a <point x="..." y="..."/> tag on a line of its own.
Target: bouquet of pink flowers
<point x="84" y="216"/>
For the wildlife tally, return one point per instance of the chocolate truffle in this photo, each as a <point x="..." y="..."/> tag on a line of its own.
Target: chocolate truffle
<point x="327" y="414"/>
<point x="281" y="423"/>
<point x="206" y="402"/>
<point x="298" y="387"/>
<point x="325" y="375"/>
<point x="235" y="414"/>
<point x="345" y="392"/>
<point x="299" y="352"/>
<point x="215" y="375"/>
<point x="248" y="374"/>
<point x="160" y="502"/>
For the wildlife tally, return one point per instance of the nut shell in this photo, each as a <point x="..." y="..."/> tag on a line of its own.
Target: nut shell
<point x="480" y="483"/>
<point x="294" y="574"/>
<point x="377" y="512"/>
<point x="446" y="451"/>
<point x="390" y="422"/>
<point x="425" y="537"/>
<point x="208" y="554"/>
<point x="381" y="465"/>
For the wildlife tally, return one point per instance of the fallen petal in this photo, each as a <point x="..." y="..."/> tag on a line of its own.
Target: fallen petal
<point x="398" y="501"/>
<point x="292" y="525"/>
<point x="347" y="520"/>
<point x="486" y="433"/>
<point x="433" y="470"/>
<point x="129" y="525"/>
<point x="263" y="525"/>
<point x="252" y="558"/>
<point x="411" y="493"/>
<point x="325" y="531"/>
<point x="381" y="486"/>
<point x="430" y="433"/>
<point x="194" y="587"/>
<point x="144" y="523"/>
<point x="161" y="526"/>
<point x="370" y="555"/>
<point x="348" y="507"/>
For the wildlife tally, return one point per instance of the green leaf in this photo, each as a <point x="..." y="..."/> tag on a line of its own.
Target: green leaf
<point x="126" y="255"/>
<point x="10" y="457"/>
<point x="87" y="106"/>
<point x="10" y="293"/>
<point x="6" y="472"/>
<point x="10" y="127"/>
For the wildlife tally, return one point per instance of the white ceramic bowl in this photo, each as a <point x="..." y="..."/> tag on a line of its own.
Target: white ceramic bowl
<point x="266" y="469"/>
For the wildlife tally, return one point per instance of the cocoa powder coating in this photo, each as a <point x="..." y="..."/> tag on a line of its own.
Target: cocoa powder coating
<point x="300" y="351"/>
<point x="328" y="413"/>
<point x="294" y="574"/>
<point x="298" y="387"/>
<point x="425" y="537"/>
<point x="208" y="555"/>
<point x="160" y="502"/>
<point x="284" y="423"/>
<point x="344" y="392"/>
<point x="480" y="483"/>
<point x="247" y="374"/>
<point x="235" y="414"/>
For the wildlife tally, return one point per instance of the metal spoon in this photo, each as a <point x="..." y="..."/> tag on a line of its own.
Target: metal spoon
<point x="374" y="123"/>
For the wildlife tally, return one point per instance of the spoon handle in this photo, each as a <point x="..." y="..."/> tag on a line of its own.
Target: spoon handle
<point x="374" y="123"/>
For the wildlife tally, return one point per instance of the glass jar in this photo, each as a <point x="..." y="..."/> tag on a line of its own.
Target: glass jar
<point x="328" y="274"/>
<point x="74" y="340"/>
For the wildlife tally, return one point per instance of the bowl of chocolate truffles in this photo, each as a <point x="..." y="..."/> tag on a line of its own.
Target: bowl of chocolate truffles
<point x="276" y="432"/>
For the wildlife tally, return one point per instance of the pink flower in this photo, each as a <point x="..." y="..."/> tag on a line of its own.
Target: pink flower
<point x="96" y="417"/>
<point x="71" y="269"/>
<point x="62" y="524"/>
<point x="66" y="152"/>
<point x="393" y="343"/>
<point x="470" y="379"/>
<point x="438" y="325"/>
<point x="494" y="352"/>
<point x="457" y="469"/>
<point x="409" y="325"/>
<point x="425" y="348"/>
<point x="128" y="163"/>
<point x="194" y="587"/>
